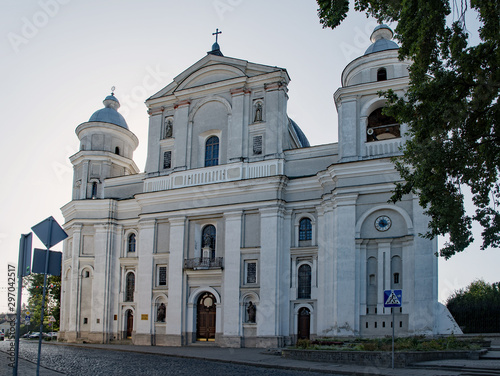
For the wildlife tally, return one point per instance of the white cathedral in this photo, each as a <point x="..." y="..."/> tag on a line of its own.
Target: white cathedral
<point x="239" y="232"/>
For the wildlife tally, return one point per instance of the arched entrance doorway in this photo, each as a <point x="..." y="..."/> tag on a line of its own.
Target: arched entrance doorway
<point x="205" y="317"/>
<point x="304" y="328"/>
<point x="129" y="316"/>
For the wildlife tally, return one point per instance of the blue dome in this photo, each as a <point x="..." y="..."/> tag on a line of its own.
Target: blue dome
<point x="304" y="142"/>
<point x="381" y="45"/>
<point x="381" y="40"/>
<point x="109" y="113"/>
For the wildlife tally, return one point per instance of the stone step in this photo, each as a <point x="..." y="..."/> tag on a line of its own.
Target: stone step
<point x="491" y="355"/>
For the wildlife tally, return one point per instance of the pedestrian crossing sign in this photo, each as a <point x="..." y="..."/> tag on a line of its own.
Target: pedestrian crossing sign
<point x="393" y="298"/>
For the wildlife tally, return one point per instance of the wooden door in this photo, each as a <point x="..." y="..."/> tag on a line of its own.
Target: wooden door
<point x="130" y="323"/>
<point x="304" y="324"/>
<point x="205" y="318"/>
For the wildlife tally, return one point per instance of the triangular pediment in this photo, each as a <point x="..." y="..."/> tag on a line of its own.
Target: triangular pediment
<point x="213" y="69"/>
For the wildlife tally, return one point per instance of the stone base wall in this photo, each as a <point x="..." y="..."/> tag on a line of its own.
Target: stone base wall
<point x="377" y="358"/>
<point x="267" y="342"/>
<point x="230" y="341"/>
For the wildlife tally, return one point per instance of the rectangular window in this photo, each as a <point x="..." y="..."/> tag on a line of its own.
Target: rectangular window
<point x="162" y="275"/>
<point x="396" y="278"/>
<point x="167" y="159"/>
<point x="257" y="145"/>
<point x="251" y="272"/>
<point x="85" y="320"/>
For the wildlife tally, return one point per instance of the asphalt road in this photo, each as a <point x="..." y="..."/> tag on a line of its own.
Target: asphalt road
<point x="78" y="361"/>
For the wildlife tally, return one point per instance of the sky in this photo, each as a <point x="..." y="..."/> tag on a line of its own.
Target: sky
<point x="60" y="58"/>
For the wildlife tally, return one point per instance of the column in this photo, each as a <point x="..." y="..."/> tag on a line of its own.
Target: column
<point x="235" y="128"/>
<point x="426" y="273"/>
<point x="326" y="272"/>
<point x="408" y="260"/>
<point x="383" y="272"/>
<point x="155" y="123"/>
<point x="362" y="276"/>
<point x="182" y="141"/>
<point x="275" y="107"/>
<point x="175" y="307"/>
<point x="348" y="129"/>
<point x="231" y="280"/>
<point x="144" y="282"/>
<point x="345" y="263"/>
<point x="100" y="287"/>
<point x="267" y="313"/>
<point x="72" y="292"/>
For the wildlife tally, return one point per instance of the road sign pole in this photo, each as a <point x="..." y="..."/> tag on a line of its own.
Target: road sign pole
<point x="43" y="298"/>
<point x="24" y="244"/>
<point x="392" y="309"/>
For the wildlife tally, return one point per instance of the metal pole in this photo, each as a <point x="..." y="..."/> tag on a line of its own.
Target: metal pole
<point x="392" y="309"/>
<point x="43" y="299"/>
<point x="20" y="265"/>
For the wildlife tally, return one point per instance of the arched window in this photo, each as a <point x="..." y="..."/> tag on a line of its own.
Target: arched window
<point x="382" y="74"/>
<point x="212" y="151"/>
<point x="117" y="150"/>
<point x="381" y="127"/>
<point x="130" y="287"/>
<point x="208" y="239"/>
<point x="131" y="243"/>
<point x="305" y="229"/>
<point x="304" y="288"/>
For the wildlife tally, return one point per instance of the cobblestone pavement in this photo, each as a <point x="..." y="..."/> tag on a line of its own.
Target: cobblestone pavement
<point x="78" y="361"/>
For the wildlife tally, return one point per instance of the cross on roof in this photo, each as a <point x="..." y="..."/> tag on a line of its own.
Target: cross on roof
<point x="217" y="32"/>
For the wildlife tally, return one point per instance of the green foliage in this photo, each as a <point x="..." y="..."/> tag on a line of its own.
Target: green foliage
<point x="303" y="344"/>
<point x="452" y="111"/>
<point x="477" y="307"/>
<point x="34" y="284"/>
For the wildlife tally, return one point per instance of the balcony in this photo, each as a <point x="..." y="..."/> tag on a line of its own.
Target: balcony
<point x="389" y="147"/>
<point x="215" y="174"/>
<point x="204" y="263"/>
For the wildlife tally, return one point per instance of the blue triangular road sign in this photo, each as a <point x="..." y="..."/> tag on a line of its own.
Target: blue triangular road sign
<point x="49" y="232"/>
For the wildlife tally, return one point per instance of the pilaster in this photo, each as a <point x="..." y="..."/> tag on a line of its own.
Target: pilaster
<point x="270" y="300"/>
<point x="155" y="122"/>
<point x="175" y="281"/>
<point x="182" y="141"/>
<point x="144" y="282"/>
<point x="345" y="263"/>
<point x="231" y="281"/>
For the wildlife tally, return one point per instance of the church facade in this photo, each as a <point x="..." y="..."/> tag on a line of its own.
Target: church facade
<point x="239" y="232"/>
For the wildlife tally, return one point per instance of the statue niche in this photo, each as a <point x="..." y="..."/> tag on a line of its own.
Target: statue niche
<point x="161" y="312"/>
<point x="251" y="311"/>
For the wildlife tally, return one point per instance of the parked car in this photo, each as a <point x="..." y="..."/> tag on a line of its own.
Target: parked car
<point x="26" y="335"/>
<point x="53" y="335"/>
<point x="2" y="336"/>
<point x="37" y="335"/>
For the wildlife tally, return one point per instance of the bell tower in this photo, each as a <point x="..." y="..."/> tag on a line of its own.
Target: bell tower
<point x="364" y="131"/>
<point x="106" y="151"/>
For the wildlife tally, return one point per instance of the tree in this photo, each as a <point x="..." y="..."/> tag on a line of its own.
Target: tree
<point x="477" y="307"/>
<point x="452" y="111"/>
<point x="34" y="284"/>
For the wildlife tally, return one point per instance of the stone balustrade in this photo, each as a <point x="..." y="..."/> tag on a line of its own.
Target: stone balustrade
<point x="390" y="146"/>
<point x="215" y="174"/>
